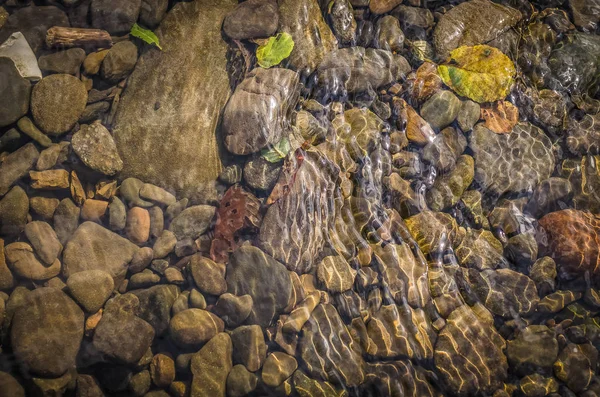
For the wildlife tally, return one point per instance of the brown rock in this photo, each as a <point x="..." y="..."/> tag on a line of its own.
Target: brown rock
<point x="162" y="370"/>
<point x="93" y="210"/>
<point x="44" y="207"/>
<point x="91" y="64"/>
<point x="383" y="6"/>
<point x="24" y="263"/>
<point x="77" y="191"/>
<point x="16" y="165"/>
<point x="51" y="179"/>
<point x="138" y="225"/>
<point x="572" y="239"/>
<point x="7" y="280"/>
<point x="209" y="276"/>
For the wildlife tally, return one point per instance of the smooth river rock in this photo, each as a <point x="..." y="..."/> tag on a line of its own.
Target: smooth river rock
<point x="166" y="123"/>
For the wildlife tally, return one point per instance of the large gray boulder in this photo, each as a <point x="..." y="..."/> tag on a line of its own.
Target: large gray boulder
<point x="166" y="123"/>
<point x="257" y="113"/>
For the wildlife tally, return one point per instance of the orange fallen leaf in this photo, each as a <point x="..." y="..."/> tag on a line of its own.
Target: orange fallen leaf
<point x="427" y="82"/>
<point x="417" y="129"/>
<point x="500" y="116"/>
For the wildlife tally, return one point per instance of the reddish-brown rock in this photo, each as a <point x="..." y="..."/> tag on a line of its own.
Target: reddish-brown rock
<point x="572" y="239"/>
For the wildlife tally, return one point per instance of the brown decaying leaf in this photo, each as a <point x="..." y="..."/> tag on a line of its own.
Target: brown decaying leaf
<point x="500" y="116"/>
<point x="418" y="130"/>
<point x="427" y="82"/>
<point x="238" y="210"/>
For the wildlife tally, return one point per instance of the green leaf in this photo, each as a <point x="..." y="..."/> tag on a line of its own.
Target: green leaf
<point x="277" y="152"/>
<point x="147" y="35"/>
<point x="481" y="73"/>
<point x="275" y="50"/>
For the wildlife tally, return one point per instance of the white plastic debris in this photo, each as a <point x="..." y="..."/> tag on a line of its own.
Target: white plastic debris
<point x="17" y="48"/>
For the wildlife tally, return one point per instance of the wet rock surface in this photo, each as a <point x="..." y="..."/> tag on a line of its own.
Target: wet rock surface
<point x="176" y="219"/>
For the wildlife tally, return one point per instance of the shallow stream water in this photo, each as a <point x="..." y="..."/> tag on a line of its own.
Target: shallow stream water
<point x="299" y="198"/>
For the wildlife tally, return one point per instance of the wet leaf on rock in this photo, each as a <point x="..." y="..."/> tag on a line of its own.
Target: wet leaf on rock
<point x="275" y="50"/>
<point x="427" y="81"/>
<point x="147" y="35"/>
<point x="500" y="116"/>
<point x="238" y="210"/>
<point x="481" y="73"/>
<point x="277" y="152"/>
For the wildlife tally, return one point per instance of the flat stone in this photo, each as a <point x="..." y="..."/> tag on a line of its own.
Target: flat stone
<point x="117" y="19"/>
<point x="358" y="69"/>
<point x="121" y="335"/>
<point x="232" y="309"/>
<point x="164" y="244"/>
<point x="24" y="263"/>
<point x="441" y="109"/>
<point x="335" y="274"/>
<point x="288" y="238"/>
<point x="95" y="146"/>
<point x="252" y="19"/>
<point x="210" y="367"/>
<point x="119" y="61"/>
<point x="249" y="348"/>
<point x="16" y="165"/>
<point x="240" y="381"/>
<point x="137" y="227"/>
<point x="534" y="349"/>
<point x="192" y="221"/>
<point x="173" y="124"/>
<point x="94" y="247"/>
<point x="49" y="157"/>
<point x="156" y="304"/>
<point x="57" y="101"/>
<point x="468" y="354"/>
<point x="570" y="237"/>
<point x="44" y="241"/>
<point x="66" y="220"/>
<point x="208" y="275"/>
<point x="17" y="49"/>
<point x="328" y="350"/>
<point x="257" y="113"/>
<point x="46" y="332"/>
<point x="63" y="62"/>
<point x="252" y="272"/>
<point x="313" y="39"/>
<point x="193" y="327"/>
<point x="514" y="162"/>
<point x="471" y="23"/>
<point x="157" y="194"/>
<point x="14" y="208"/>
<point x="278" y="367"/>
<point x="49" y="179"/>
<point x="91" y="288"/>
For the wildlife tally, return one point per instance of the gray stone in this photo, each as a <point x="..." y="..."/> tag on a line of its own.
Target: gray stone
<point x="14" y="208"/>
<point x="7" y="281"/>
<point x="342" y="20"/>
<point x="155" y="306"/>
<point x="44" y="241"/>
<point x="208" y="276"/>
<point x="152" y="12"/>
<point x="46" y="332"/>
<point x="94" y="111"/>
<point x="249" y="347"/>
<point x="64" y="62"/>
<point x="27" y="127"/>
<point x="357" y="69"/>
<point x="257" y="114"/>
<point x="116" y="18"/>
<point x="119" y="61"/>
<point x="130" y="192"/>
<point x="445" y="149"/>
<point x="278" y="367"/>
<point x="141" y="260"/>
<point x="157" y="194"/>
<point x="94" y="247"/>
<point x="49" y="157"/>
<point x="441" y="109"/>
<point x="233" y="309"/>
<point x="210" y="367"/>
<point x="17" y="49"/>
<point x="57" y="101"/>
<point x="24" y="263"/>
<point x="117" y="215"/>
<point x="471" y="23"/>
<point x="448" y="188"/>
<point x="95" y="146"/>
<point x="14" y="93"/>
<point x="151" y="121"/>
<point x="534" y="349"/>
<point x="91" y="288"/>
<point x="468" y="115"/>
<point x="193" y="221"/>
<point x="514" y="162"/>
<point x="240" y="381"/>
<point x="164" y="244"/>
<point x="252" y="272"/>
<point x="157" y="221"/>
<point x="261" y="174"/>
<point x="16" y="165"/>
<point x="390" y="36"/>
<point x="66" y="220"/>
<point x="252" y="19"/>
<point x="313" y="39"/>
<point x="193" y="327"/>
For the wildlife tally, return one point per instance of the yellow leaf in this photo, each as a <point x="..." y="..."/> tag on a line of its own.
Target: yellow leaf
<point x="481" y="73"/>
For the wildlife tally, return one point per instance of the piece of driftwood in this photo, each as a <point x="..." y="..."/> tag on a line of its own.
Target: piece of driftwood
<point x="62" y="37"/>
